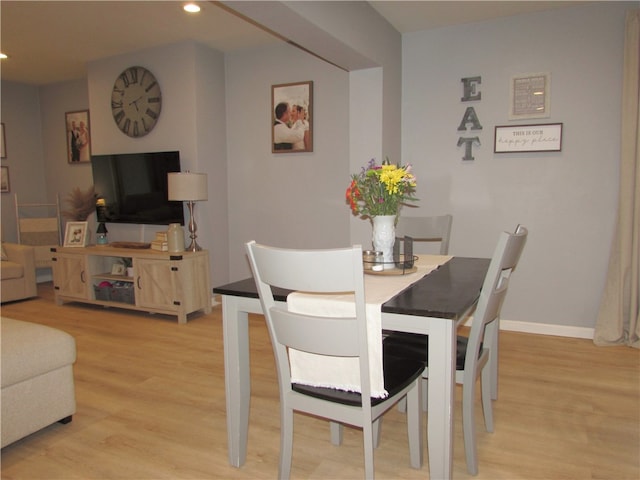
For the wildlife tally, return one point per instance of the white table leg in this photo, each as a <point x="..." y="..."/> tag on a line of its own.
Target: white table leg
<point x="236" y="377"/>
<point x="442" y="345"/>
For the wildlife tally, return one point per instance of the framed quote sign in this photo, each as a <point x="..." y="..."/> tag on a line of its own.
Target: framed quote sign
<point x="528" y="138"/>
<point x="530" y="96"/>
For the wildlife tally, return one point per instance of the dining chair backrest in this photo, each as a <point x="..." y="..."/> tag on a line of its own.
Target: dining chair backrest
<point x="494" y="290"/>
<point x="315" y="271"/>
<point x="39" y="226"/>
<point x="427" y="229"/>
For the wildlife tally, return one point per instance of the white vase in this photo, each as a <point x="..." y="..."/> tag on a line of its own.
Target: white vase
<point x="384" y="236"/>
<point x="175" y="238"/>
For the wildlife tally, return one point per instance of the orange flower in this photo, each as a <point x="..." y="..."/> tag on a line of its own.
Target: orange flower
<point x="353" y="194"/>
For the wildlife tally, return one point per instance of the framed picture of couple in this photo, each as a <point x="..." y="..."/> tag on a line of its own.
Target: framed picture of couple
<point x="292" y="125"/>
<point x="78" y="137"/>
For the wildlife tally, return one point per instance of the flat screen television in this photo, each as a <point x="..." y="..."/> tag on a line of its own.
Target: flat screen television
<point x="132" y="188"/>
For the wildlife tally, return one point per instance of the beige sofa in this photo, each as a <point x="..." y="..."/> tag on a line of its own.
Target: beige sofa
<point x="18" y="272"/>
<point x="37" y="378"/>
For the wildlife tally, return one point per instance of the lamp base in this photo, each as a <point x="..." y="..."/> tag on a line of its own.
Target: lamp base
<point x="193" y="228"/>
<point x="193" y="246"/>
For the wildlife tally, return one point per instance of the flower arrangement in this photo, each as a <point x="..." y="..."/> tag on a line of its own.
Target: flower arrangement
<point x="380" y="189"/>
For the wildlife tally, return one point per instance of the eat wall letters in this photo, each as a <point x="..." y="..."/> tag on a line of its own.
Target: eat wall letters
<point x="470" y="93"/>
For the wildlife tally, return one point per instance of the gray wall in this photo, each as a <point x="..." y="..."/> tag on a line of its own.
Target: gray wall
<point x="566" y="199"/>
<point x="23" y="133"/>
<point x="293" y="199"/>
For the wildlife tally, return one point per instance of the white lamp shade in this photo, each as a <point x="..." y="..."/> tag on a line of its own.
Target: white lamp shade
<point x="187" y="186"/>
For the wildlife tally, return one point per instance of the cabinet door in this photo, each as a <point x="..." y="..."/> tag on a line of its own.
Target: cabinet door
<point x="155" y="284"/>
<point x="71" y="276"/>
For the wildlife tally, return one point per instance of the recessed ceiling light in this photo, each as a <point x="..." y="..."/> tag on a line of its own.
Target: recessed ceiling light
<point x="191" y="8"/>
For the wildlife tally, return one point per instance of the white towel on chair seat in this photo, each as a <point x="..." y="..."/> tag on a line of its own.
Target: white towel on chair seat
<point x="343" y="373"/>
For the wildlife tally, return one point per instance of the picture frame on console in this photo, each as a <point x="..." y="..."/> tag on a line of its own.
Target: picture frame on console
<point x="78" y="137"/>
<point x="76" y="234"/>
<point x="291" y="117"/>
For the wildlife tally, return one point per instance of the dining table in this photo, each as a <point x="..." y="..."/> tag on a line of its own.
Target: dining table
<point x="434" y="305"/>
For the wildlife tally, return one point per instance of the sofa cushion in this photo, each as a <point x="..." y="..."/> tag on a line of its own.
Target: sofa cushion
<point x="11" y="270"/>
<point x="29" y="349"/>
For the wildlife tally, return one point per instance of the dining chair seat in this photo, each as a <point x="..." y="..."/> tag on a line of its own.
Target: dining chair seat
<point x="417" y="346"/>
<point x="399" y="372"/>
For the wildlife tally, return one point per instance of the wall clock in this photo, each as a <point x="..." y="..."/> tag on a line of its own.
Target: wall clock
<point x="136" y="101"/>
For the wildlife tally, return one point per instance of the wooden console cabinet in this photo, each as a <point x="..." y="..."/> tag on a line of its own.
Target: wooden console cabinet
<point x="162" y="282"/>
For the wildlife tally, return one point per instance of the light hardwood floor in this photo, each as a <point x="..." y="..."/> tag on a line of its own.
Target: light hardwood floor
<point x="151" y="405"/>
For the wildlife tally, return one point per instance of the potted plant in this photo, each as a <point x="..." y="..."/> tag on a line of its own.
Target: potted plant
<point x="128" y="265"/>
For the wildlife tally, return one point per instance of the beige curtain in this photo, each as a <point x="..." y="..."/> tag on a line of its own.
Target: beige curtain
<point x="619" y="315"/>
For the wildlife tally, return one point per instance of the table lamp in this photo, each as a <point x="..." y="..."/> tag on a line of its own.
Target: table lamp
<point x="188" y="187"/>
<point x="101" y="234"/>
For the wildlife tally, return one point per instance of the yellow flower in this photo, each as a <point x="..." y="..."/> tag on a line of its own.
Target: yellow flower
<point x="392" y="176"/>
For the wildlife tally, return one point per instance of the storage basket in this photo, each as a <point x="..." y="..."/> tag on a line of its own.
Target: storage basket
<point x="102" y="293"/>
<point x="123" y="293"/>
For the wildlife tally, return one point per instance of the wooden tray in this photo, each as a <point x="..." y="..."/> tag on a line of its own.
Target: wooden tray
<point x="137" y="245"/>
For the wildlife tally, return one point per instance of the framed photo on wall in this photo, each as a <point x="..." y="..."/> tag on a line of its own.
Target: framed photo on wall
<point x="3" y="144"/>
<point x="5" y="187"/>
<point x="291" y="119"/>
<point x="76" y="234"/>
<point x="78" y="137"/>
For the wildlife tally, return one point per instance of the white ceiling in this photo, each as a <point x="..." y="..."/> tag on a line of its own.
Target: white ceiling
<point x="52" y="41"/>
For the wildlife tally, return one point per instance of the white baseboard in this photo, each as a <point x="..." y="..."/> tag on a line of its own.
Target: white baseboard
<point x="543" y="329"/>
<point x="547" y="329"/>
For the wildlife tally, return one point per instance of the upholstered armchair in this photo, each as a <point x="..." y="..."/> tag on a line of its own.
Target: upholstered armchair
<point x="18" y="272"/>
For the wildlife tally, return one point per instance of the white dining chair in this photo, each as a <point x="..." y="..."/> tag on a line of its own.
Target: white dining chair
<point x="477" y="355"/>
<point x="427" y="229"/>
<point x="330" y="271"/>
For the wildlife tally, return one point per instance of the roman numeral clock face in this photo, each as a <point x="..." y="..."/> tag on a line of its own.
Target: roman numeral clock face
<point x="136" y="101"/>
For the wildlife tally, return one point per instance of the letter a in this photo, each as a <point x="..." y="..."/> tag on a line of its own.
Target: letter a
<point x="470" y="117"/>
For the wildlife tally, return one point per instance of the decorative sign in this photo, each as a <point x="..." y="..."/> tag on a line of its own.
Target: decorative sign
<point x="528" y="138"/>
<point x="530" y="96"/>
<point x="470" y="93"/>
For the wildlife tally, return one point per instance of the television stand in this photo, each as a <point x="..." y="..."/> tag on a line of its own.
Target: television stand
<point x="162" y="282"/>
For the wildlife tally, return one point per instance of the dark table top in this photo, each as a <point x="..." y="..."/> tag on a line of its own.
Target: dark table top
<point x="447" y="292"/>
